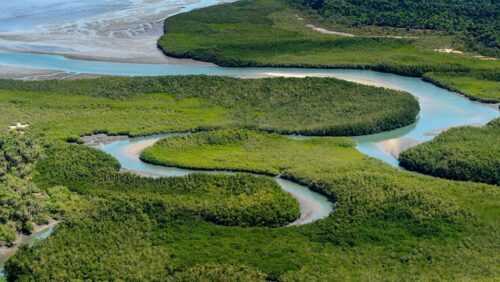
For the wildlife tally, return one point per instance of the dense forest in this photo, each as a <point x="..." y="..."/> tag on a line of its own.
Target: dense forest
<point x="464" y="153"/>
<point x="217" y="227"/>
<point x="210" y="227"/>
<point x="241" y="200"/>
<point x="21" y="201"/>
<point x="23" y="204"/>
<point x="477" y="22"/>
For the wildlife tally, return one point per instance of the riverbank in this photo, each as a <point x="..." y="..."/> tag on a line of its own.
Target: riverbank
<point x="462" y="153"/>
<point x="474" y="89"/>
<point x="128" y="152"/>
<point x="268" y="34"/>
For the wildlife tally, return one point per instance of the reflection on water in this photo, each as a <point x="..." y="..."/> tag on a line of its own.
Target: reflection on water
<point x="397" y="145"/>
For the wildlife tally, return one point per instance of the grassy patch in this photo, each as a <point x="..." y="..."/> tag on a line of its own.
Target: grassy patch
<point x="270" y="33"/>
<point x="138" y="106"/>
<point x="477" y="86"/>
<point x="245" y="151"/>
<point x="465" y="153"/>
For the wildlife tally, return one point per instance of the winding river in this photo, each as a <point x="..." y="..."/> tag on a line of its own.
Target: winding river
<point x="440" y="110"/>
<point x="313" y="206"/>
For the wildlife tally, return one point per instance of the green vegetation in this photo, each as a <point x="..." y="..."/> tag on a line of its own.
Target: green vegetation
<point x="132" y="212"/>
<point x="123" y="242"/>
<point x="20" y="208"/>
<point x="135" y="106"/>
<point x="465" y="153"/>
<point x="477" y="86"/>
<point x="395" y="225"/>
<point x="477" y="22"/>
<point x="241" y="150"/>
<point x="242" y="200"/>
<point x="273" y="33"/>
<point x="23" y="204"/>
<point x="387" y="225"/>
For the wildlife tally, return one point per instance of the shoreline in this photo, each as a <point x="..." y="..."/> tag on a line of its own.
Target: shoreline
<point x="127" y="34"/>
<point x="32" y="74"/>
<point x="494" y="103"/>
<point x="25" y="73"/>
<point x="40" y="74"/>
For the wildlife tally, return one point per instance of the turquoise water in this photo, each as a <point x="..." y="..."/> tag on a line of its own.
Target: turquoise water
<point x="440" y="108"/>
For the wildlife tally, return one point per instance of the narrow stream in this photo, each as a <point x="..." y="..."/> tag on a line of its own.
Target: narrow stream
<point x="313" y="206"/>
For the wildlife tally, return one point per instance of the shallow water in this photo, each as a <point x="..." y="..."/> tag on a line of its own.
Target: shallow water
<point x="440" y="108"/>
<point x="27" y="15"/>
<point x="118" y="30"/>
<point x="42" y="15"/>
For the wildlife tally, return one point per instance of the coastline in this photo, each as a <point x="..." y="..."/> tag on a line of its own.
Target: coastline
<point x="307" y="206"/>
<point x="125" y="34"/>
